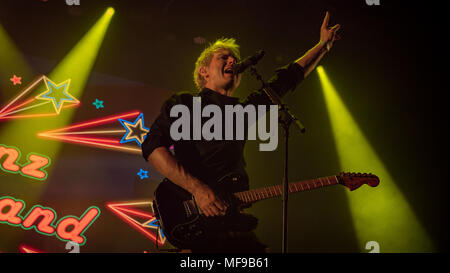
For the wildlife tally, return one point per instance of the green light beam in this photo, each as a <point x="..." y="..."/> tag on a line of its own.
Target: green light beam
<point x="380" y="214"/>
<point x="12" y="63"/>
<point x="78" y="63"/>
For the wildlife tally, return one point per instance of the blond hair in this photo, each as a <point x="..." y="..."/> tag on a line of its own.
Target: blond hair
<point x="206" y="56"/>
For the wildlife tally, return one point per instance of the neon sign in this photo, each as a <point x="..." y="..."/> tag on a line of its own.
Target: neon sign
<point x="33" y="168"/>
<point x="73" y="247"/>
<point x="16" y="80"/>
<point x="68" y="228"/>
<point x="130" y="132"/>
<point x="55" y="94"/>
<point x="141" y="220"/>
<point x="29" y="249"/>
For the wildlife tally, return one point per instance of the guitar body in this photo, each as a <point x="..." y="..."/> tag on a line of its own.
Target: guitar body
<point x="174" y="217"/>
<point x="181" y="220"/>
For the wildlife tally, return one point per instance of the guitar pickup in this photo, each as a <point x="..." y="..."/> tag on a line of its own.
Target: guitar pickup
<point x="191" y="208"/>
<point x="188" y="208"/>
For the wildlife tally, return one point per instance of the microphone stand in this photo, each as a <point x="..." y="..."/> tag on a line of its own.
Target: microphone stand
<point x="285" y="118"/>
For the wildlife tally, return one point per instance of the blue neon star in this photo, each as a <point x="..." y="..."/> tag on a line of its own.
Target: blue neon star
<point x="98" y="103"/>
<point x="142" y="174"/>
<point x="136" y="131"/>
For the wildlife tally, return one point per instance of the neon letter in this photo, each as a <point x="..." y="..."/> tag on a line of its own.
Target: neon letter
<point x="44" y="224"/>
<point x="11" y="215"/>
<point x="13" y="155"/>
<point x="79" y="226"/>
<point x="34" y="169"/>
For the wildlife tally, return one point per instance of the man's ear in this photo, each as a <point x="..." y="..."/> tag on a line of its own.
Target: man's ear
<point x="203" y="71"/>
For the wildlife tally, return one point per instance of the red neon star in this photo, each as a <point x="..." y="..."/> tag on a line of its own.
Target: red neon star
<point x="16" y="80"/>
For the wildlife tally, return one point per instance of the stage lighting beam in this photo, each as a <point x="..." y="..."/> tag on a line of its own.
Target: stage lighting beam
<point x="380" y="214"/>
<point x="12" y="62"/>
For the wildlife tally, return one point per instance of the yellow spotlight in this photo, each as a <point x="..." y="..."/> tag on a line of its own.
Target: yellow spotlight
<point x="379" y="214"/>
<point x="110" y="11"/>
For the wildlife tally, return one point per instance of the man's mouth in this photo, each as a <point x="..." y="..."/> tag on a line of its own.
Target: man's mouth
<point x="228" y="70"/>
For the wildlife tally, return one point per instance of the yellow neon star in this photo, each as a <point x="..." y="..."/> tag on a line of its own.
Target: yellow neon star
<point x="57" y="94"/>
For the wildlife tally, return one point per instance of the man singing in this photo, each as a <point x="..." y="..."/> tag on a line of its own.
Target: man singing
<point x="196" y="165"/>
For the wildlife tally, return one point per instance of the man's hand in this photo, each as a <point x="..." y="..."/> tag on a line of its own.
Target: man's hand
<point x="328" y="35"/>
<point x="208" y="203"/>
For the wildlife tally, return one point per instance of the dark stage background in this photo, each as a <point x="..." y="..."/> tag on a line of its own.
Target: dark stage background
<point x="388" y="68"/>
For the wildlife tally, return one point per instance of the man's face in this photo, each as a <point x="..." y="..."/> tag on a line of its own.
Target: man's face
<point x="219" y="73"/>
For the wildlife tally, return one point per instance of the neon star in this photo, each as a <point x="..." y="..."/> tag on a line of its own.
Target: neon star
<point x="16" y="80"/>
<point x="142" y="174"/>
<point x="154" y="223"/>
<point x="57" y="94"/>
<point x="136" y="131"/>
<point x="98" y="103"/>
<point x="133" y="216"/>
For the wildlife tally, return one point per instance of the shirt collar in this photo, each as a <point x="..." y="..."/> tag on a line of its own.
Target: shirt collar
<point x="216" y="96"/>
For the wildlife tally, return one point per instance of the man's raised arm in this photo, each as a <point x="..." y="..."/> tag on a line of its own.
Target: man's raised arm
<point x="315" y="54"/>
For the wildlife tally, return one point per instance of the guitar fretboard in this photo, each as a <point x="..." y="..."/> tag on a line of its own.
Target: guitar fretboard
<point x="274" y="191"/>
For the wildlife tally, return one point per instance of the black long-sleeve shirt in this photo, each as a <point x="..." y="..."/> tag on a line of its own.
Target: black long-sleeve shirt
<point x="211" y="160"/>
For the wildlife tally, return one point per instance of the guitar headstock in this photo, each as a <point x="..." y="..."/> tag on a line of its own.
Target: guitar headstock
<point x="356" y="180"/>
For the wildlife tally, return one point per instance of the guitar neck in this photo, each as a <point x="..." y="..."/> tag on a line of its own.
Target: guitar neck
<point x="252" y="196"/>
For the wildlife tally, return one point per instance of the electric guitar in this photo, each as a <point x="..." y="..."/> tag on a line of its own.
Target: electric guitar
<point x="183" y="222"/>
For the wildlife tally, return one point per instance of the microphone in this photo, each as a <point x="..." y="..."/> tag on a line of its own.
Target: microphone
<point x="249" y="61"/>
